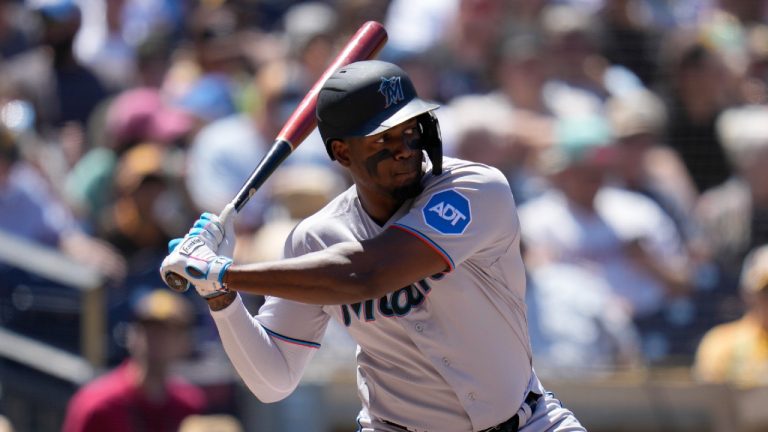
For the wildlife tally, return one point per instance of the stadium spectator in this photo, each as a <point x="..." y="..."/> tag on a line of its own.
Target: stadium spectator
<point x="619" y="235"/>
<point x="209" y="68"/>
<point x="488" y="130"/>
<point x="592" y="336"/>
<point x="756" y="74"/>
<point x="581" y="78"/>
<point x="50" y="76"/>
<point x="734" y="215"/>
<point x="14" y="38"/>
<point x="310" y="30"/>
<point x="522" y="72"/>
<point x="142" y="394"/>
<point x="644" y="164"/>
<point x="30" y="209"/>
<point x="737" y="352"/>
<point x="628" y="39"/>
<point x="104" y="45"/>
<point x="698" y="87"/>
<point x="525" y="16"/>
<point x="134" y="116"/>
<point x="415" y="27"/>
<point x="153" y="59"/>
<point x="521" y="75"/>
<point x="745" y="12"/>
<point x="136" y="221"/>
<point x="461" y="59"/>
<point x="224" y="153"/>
<point x="352" y="13"/>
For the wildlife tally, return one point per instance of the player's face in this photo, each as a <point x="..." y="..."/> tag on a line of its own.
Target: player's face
<point x="388" y="163"/>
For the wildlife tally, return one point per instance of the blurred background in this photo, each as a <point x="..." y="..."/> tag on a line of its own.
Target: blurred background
<point x="634" y="134"/>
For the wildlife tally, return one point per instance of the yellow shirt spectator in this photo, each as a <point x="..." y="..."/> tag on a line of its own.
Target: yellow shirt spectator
<point x="734" y="352"/>
<point x="737" y="352"/>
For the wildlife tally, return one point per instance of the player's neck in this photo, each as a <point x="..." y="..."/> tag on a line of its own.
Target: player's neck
<point x="379" y="207"/>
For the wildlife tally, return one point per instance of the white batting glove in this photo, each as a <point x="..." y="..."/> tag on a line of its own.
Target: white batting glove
<point x="218" y="232"/>
<point x="193" y="259"/>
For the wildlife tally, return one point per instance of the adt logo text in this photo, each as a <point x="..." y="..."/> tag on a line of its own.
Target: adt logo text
<point x="447" y="212"/>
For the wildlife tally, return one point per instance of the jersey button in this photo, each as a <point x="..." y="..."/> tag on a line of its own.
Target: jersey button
<point x="446" y="362"/>
<point x="471" y="395"/>
<point x="419" y="327"/>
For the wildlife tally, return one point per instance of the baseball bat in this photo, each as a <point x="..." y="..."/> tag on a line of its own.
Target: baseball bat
<point x="364" y="45"/>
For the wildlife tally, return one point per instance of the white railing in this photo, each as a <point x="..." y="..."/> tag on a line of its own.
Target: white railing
<point x="51" y="264"/>
<point x="45" y="358"/>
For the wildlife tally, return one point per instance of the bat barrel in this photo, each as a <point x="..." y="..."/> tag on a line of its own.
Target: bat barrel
<point x="365" y="44"/>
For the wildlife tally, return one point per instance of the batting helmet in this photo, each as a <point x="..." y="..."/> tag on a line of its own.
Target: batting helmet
<point x="368" y="97"/>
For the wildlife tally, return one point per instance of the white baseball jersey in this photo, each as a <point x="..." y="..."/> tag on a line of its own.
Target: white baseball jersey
<point x="447" y="353"/>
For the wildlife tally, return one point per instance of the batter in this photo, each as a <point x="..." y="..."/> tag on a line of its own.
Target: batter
<point x="419" y="260"/>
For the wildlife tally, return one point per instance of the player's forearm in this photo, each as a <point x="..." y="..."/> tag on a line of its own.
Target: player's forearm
<point x="337" y="275"/>
<point x="269" y="371"/>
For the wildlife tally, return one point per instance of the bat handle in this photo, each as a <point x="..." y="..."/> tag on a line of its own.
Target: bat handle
<point x="230" y="210"/>
<point x="277" y="153"/>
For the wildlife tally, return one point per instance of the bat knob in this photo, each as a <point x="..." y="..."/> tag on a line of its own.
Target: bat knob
<point x="176" y="282"/>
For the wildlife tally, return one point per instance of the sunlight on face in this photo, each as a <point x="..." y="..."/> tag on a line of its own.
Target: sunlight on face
<point x="389" y="163"/>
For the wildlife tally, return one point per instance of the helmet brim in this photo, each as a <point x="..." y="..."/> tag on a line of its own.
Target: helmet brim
<point x="414" y="108"/>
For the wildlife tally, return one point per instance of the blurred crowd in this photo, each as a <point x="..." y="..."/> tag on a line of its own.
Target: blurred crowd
<point x="634" y="134"/>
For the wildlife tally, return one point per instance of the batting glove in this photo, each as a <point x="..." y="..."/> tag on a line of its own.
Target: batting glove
<point x="193" y="259"/>
<point x="218" y="232"/>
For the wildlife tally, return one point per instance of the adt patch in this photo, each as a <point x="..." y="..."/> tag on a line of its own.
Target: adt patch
<point x="447" y="212"/>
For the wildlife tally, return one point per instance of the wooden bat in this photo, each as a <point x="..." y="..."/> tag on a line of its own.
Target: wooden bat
<point x="364" y="45"/>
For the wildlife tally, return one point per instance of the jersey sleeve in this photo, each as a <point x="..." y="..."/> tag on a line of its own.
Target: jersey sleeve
<point x="289" y="321"/>
<point x="271" y="350"/>
<point x="292" y="322"/>
<point x="468" y="212"/>
<point x="270" y="366"/>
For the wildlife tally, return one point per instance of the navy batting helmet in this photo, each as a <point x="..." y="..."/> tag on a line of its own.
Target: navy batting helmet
<point x="368" y="97"/>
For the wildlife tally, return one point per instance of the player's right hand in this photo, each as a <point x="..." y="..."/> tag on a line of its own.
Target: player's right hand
<point x="194" y="260"/>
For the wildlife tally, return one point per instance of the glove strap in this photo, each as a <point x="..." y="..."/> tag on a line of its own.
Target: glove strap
<point x="216" y="270"/>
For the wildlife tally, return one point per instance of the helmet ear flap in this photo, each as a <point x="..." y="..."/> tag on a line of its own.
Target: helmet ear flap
<point x="329" y="149"/>
<point x="431" y="141"/>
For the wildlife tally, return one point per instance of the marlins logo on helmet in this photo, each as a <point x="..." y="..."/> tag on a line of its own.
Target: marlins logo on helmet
<point x="392" y="90"/>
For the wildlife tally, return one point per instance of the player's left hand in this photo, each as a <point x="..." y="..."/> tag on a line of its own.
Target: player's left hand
<point x="194" y="259"/>
<point x="217" y="231"/>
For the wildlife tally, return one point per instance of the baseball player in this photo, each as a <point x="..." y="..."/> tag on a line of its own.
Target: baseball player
<point x="419" y="260"/>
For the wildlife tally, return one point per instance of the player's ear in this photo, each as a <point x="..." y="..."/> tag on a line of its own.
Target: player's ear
<point x="340" y="151"/>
